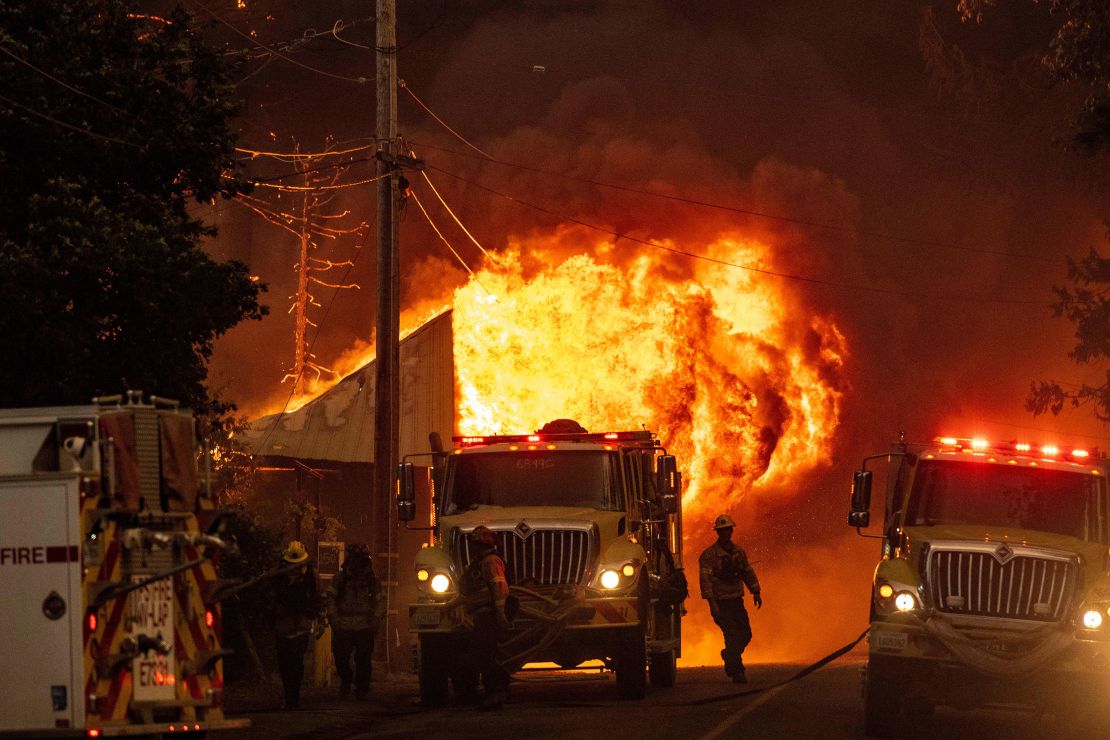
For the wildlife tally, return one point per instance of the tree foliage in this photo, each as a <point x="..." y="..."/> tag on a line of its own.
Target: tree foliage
<point x="1078" y="52"/>
<point x="112" y="123"/>
<point x="1087" y="305"/>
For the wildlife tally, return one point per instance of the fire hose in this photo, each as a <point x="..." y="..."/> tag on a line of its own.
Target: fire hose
<point x="551" y="617"/>
<point x="1047" y="644"/>
<point x="551" y="620"/>
<point x="796" y="677"/>
<point x="817" y="665"/>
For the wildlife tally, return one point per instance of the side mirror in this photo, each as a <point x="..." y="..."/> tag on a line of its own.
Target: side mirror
<point x="406" y="492"/>
<point x="670" y="500"/>
<point x="666" y="473"/>
<point x="860" y="512"/>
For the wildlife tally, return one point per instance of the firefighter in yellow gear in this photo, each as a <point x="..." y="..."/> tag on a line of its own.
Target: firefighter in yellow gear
<point x="724" y="571"/>
<point x="486" y="589"/>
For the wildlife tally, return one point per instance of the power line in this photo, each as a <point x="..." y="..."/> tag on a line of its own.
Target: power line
<point x="736" y="209"/>
<point x="440" y="121"/>
<point x="302" y="155"/>
<point x="725" y="263"/>
<point x="444" y="240"/>
<point x="67" y="86"/>
<point x="452" y="214"/>
<point x="705" y="204"/>
<point x="279" y="178"/>
<point x="313" y="188"/>
<point x="70" y="126"/>
<point x="275" y="52"/>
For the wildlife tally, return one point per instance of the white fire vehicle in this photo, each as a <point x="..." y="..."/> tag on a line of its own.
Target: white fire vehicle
<point x="107" y="578"/>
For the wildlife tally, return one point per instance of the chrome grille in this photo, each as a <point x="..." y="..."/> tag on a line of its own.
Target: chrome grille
<point x="545" y="557"/>
<point x="1024" y="586"/>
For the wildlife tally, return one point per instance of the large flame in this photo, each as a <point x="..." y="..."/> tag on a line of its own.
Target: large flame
<point x="745" y="390"/>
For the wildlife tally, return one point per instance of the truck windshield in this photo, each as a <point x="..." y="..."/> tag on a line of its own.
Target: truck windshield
<point x="548" y="478"/>
<point x="948" y="492"/>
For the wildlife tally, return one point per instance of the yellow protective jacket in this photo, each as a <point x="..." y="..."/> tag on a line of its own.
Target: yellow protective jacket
<point x="724" y="570"/>
<point x="485" y="584"/>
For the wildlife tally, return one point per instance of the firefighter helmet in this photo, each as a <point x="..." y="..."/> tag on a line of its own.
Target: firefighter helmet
<point x="724" y="521"/>
<point x="484" y="535"/>
<point x="295" y="553"/>
<point x="357" y="548"/>
<point x="357" y="554"/>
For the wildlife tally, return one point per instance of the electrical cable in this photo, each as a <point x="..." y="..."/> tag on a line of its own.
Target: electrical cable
<point x="404" y="86"/>
<point x="725" y="263"/>
<point x="70" y="126"/>
<point x="293" y="156"/>
<point x="312" y="188"/>
<point x="444" y="240"/>
<point x="67" y="86"/>
<point x="279" y="178"/>
<point x="339" y="26"/>
<point x="736" y="209"/>
<point x="256" y="42"/>
<point x="452" y="213"/>
<point x="707" y="204"/>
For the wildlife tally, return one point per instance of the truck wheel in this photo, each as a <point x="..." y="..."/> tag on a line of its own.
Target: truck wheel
<point x="882" y="707"/>
<point x="663" y="669"/>
<point x="631" y="666"/>
<point x="433" y="671"/>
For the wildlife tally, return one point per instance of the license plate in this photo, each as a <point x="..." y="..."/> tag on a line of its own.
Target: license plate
<point x="425" y="616"/>
<point x="153" y="674"/>
<point x="891" y="640"/>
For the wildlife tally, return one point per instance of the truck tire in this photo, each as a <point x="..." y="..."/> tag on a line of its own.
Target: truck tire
<point x="631" y="665"/>
<point x="882" y="700"/>
<point x="663" y="669"/>
<point x="433" y="671"/>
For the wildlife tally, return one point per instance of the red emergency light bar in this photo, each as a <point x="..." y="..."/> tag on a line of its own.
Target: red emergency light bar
<point x="599" y="437"/>
<point x="1022" y="449"/>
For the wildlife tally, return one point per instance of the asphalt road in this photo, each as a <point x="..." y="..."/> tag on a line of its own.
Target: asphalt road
<point x="825" y="704"/>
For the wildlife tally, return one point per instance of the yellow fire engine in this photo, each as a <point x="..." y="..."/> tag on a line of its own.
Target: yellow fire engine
<point x="994" y="581"/>
<point x="590" y="528"/>
<point x="107" y="543"/>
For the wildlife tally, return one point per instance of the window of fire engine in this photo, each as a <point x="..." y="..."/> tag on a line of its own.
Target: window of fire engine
<point x="541" y="478"/>
<point x="1040" y="499"/>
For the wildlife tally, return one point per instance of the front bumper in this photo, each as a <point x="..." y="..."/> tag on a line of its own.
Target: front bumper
<point x="909" y="640"/>
<point x="907" y="657"/>
<point x="576" y="614"/>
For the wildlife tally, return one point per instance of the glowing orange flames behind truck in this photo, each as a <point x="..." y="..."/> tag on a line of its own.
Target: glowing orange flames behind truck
<point x="717" y="364"/>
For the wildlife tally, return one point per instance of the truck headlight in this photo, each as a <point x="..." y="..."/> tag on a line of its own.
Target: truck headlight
<point x="422" y="575"/>
<point x="440" y="583"/>
<point x="1092" y="619"/>
<point x="905" y="602"/>
<point x="610" y="579"/>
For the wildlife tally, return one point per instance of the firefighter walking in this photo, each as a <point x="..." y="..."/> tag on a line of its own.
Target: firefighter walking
<point x="724" y="570"/>
<point x="486" y="591"/>
<point x="295" y="612"/>
<point x="355" y="609"/>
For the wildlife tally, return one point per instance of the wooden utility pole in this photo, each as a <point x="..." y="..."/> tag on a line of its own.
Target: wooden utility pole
<point x="387" y="380"/>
